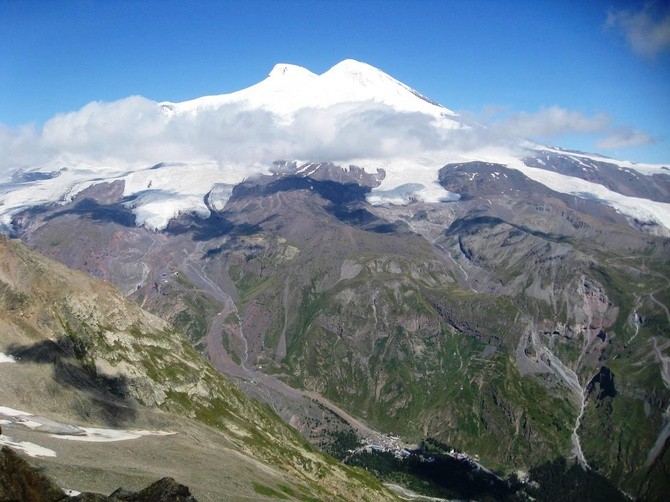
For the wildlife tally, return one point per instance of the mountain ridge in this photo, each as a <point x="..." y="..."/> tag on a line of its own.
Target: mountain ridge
<point x="93" y="358"/>
<point x="289" y="88"/>
<point x="507" y="299"/>
<point x="352" y="114"/>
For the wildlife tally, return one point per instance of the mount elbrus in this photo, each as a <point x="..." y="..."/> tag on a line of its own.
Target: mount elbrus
<point x="351" y="249"/>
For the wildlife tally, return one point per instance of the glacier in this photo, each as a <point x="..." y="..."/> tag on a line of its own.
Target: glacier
<point x="177" y="158"/>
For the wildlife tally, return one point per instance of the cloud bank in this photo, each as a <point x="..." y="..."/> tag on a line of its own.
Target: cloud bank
<point x="553" y="122"/>
<point x="137" y="132"/>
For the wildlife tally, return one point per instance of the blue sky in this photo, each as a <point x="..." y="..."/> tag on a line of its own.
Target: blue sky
<point x="604" y="65"/>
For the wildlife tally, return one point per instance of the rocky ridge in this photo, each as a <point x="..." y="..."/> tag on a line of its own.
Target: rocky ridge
<point x="19" y="481"/>
<point x="506" y="302"/>
<point x="102" y="360"/>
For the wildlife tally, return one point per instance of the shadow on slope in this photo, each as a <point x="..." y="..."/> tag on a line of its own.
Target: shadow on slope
<point x="432" y="473"/>
<point x="471" y="225"/>
<point x="114" y="213"/>
<point x="562" y="480"/>
<point x="435" y="475"/>
<point x="217" y="225"/>
<point x="346" y="199"/>
<point x="108" y="396"/>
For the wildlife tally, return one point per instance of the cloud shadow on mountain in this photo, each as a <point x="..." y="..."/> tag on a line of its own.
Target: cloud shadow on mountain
<point x="205" y="229"/>
<point x="347" y="201"/>
<point x="90" y="208"/>
<point x="108" y="397"/>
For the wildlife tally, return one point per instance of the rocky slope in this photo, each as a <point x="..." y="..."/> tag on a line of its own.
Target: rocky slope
<point x="84" y="355"/>
<point x="506" y="298"/>
<point x="20" y="481"/>
<point x="481" y="322"/>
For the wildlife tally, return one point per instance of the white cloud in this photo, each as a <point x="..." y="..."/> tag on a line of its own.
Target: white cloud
<point x="136" y="132"/>
<point x="552" y="122"/>
<point x="646" y="30"/>
<point x="624" y="138"/>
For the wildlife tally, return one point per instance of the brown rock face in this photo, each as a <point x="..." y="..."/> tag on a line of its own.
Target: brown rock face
<point x="163" y="490"/>
<point x="19" y="481"/>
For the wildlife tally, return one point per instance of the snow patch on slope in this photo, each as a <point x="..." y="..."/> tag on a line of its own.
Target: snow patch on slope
<point x="634" y="207"/>
<point x="158" y="194"/>
<point x="94" y="435"/>
<point x="30" y="449"/>
<point x="18" y="418"/>
<point x="646" y="169"/>
<point x="407" y="180"/>
<point x="351" y="114"/>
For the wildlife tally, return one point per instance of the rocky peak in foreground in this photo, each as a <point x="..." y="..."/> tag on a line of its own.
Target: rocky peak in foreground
<point x="20" y="481"/>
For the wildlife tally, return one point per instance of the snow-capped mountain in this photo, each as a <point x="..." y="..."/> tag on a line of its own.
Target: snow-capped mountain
<point x="171" y="155"/>
<point x="339" y="236"/>
<point x="290" y="88"/>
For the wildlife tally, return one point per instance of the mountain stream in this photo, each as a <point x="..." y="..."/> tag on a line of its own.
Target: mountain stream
<point x="570" y="378"/>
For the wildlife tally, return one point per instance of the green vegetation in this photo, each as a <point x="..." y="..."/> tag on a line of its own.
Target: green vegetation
<point x="339" y="442"/>
<point x="269" y="492"/>
<point x="434" y="474"/>
<point x="559" y="481"/>
<point x="197" y="311"/>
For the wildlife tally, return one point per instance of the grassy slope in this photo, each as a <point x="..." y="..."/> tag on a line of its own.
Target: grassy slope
<point x="103" y="338"/>
<point x="420" y="374"/>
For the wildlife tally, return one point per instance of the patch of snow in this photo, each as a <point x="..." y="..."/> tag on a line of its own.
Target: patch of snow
<point x="15" y="198"/>
<point x="410" y="192"/>
<point x="11" y="412"/>
<point x="31" y="424"/>
<point x="407" y="180"/>
<point x="308" y="173"/>
<point x="95" y="435"/>
<point x="643" y="168"/>
<point x="304" y="168"/>
<point x="634" y="207"/>
<point x="585" y="166"/>
<point x="85" y="434"/>
<point x="219" y="195"/>
<point x="4" y="358"/>
<point x="30" y="449"/>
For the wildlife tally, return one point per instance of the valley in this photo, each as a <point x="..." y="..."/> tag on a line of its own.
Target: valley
<point x="501" y="310"/>
<point x="273" y="305"/>
<point x="116" y="390"/>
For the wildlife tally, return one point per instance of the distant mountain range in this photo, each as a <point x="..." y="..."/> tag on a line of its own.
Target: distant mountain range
<point x="353" y="114"/>
<point x="364" y="260"/>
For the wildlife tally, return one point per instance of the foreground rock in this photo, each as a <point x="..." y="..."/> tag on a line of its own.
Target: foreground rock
<point x="20" y="481"/>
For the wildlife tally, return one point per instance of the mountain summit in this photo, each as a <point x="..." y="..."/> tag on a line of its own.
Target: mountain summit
<point x="170" y="156"/>
<point x="338" y="238"/>
<point x="290" y="88"/>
